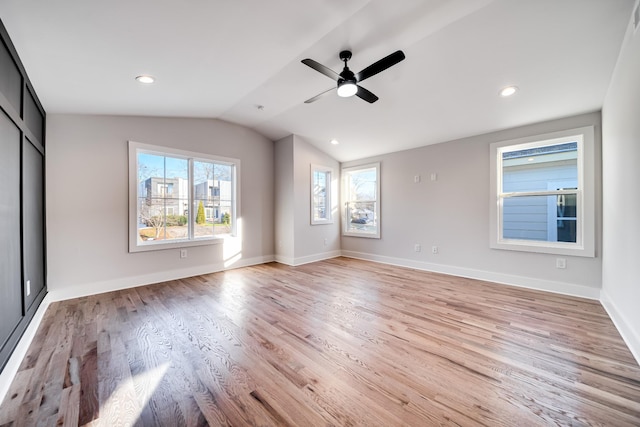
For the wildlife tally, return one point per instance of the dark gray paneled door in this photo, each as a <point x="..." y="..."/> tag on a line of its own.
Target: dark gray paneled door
<point x="10" y="251"/>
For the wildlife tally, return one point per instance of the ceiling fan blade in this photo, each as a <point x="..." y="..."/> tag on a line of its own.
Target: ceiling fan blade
<point x="315" y="98"/>
<point x="366" y="95"/>
<point x="321" y="69"/>
<point x="381" y="65"/>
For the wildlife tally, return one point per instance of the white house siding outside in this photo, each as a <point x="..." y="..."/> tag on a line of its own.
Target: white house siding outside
<point x="539" y="217"/>
<point x="216" y="198"/>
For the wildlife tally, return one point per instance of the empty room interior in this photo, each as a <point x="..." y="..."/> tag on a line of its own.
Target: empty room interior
<point x="421" y="212"/>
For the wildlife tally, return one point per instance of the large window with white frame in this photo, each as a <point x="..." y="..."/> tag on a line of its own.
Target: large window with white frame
<point x="361" y="199"/>
<point x="321" y="195"/>
<point x="179" y="198"/>
<point x="543" y="193"/>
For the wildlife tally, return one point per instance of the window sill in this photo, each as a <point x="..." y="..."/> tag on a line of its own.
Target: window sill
<point x="568" y="249"/>
<point x="367" y="235"/>
<point x="321" y="222"/>
<point x="178" y="244"/>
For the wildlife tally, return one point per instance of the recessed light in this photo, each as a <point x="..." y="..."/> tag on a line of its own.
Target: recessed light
<point x="334" y="141"/>
<point x="146" y="79"/>
<point x="508" y="91"/>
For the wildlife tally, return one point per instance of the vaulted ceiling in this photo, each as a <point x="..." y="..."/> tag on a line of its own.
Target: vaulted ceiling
<point x="223" y="59"/>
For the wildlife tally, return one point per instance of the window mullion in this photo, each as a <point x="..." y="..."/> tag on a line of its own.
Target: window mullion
<point x="191" y="201"/>
<point x="537" y="193"/>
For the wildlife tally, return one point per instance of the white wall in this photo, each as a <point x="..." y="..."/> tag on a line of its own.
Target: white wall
<point x="621" y="189"/>
<point x="452" y="213"/>
<point x="297" y="241"/>
<point x="309" y="239"/>
<point x="87" y="201"/>
<point x="284" y="208"/>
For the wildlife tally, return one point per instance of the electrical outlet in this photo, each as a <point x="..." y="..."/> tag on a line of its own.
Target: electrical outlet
<point x="417" y="248"/>
<point x="28" y="287"/>
<point x="434" y="250"/>
<point x="183" y="253"/>
<point x="416" y="179"/>
<point x="561" y="263"/>
<point x="434" y="176"/>
<point x="326" y="242"/>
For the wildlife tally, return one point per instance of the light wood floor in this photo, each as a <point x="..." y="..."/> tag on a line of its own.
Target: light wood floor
<point x="340" y="342"/>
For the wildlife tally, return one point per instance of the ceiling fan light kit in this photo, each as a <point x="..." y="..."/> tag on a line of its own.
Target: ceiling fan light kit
<point x="347" y="89"/>
<point x="347" y="81"/>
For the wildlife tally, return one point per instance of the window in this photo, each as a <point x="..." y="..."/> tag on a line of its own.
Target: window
<point x="320" y="195"/>
<point x="171" y="203"/>
<point x="543" y="188"/>
<point x="362" y="200"/>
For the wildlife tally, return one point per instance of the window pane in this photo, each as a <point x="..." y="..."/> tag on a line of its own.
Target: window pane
<point x="567" y="230"/>
<point x="213" y="198"/>
<point x="362" y="208"/>
<point x="361" y="217"/>
<point x="537" y="169"/>
<point x="541" y="218"/>
<point x="362" y="184"/>
<point x="319" y="188"/>
<point x="566" y="204"/>
<point x="162" y="197"/>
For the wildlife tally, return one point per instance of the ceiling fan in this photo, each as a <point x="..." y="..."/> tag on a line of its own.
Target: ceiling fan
<point x="348" y="80"/>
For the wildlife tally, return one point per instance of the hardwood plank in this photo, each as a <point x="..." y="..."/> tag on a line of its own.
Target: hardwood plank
<point x="89" y="401"/>
<point x="338" y="342"/>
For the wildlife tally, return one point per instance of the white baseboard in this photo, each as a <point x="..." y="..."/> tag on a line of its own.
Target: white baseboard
<point x="13" y="364"/>
<point x="505" y="279"/>
<point x="148" y="279"/>
<point x="285" y="260"/>
<point x="307" y="259"/>
<point x="628" y="333"/>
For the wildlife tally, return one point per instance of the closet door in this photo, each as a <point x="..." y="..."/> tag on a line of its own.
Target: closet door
<point x="23" y="278"/>
<point x="32" y="222"/>
<point x="10" y="247"/>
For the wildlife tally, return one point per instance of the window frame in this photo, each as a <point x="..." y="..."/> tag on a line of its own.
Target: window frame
<point x="585" y="194"/>
<point x="345" y="202"/>
<point x="328" y="219"/>
<point x="135" y="243"/>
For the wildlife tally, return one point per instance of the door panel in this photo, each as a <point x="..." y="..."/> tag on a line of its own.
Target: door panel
<point x="10" y="275"/>
<point x="33" y="222"/>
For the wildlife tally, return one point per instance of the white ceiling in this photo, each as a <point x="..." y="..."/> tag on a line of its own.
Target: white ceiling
<point x="223" y="58"/>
